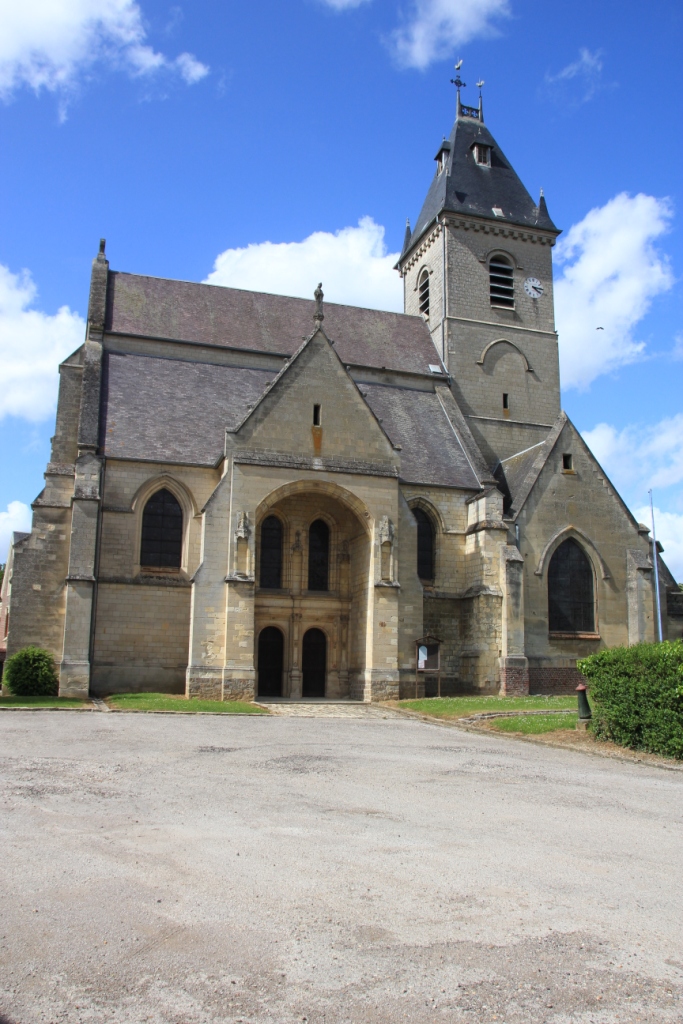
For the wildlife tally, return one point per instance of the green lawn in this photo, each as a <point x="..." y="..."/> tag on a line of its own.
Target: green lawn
<point x="460" y="707"/>
<point x="168" y="702"/>
<point x="42" y="702"/>
<point x="535" y="724"/>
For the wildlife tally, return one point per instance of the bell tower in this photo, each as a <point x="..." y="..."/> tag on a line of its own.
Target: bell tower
<point x="478" y="268"/>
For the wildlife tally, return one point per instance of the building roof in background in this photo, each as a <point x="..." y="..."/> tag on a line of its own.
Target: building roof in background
<point x="170" y="410"/>
<point x="155" y="307"/>
<point x="432" y="449"/>
<point x="466" y="187"/>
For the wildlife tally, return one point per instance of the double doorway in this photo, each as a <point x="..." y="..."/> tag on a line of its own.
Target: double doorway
<point x="271" y="662"/>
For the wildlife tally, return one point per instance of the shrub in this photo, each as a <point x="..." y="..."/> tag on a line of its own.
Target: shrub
<point x="637" y="694"/>
<point x="31" y="673"/>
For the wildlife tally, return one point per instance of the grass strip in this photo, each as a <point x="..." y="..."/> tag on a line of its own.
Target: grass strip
<point x="180" y="704"/>
<point x="42" y="702"/>
<point x="533" y="725"/>
<point x="461" y="707"/>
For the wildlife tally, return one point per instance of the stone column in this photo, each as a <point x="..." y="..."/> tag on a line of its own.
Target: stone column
<point x="514" y="666"/>
<point x="640" y="597"/>
<point x="74" y="670"/>
<point x="204" y="676"/>
<point x="295" y="673"/>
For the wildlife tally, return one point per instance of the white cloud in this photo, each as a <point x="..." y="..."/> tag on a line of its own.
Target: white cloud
<point x="582" y="76"/>
<point x="17" y="517"/>
<point x="677" y="352"/>
<point x="641" y="457"/>
<point x="669" y="530"/>
<point x="47" y="44"/>
<point x="434" y="28"/>
<point x="32" y="344"/>
<point x="611" y="272"/>
<point x="353" y="265"/>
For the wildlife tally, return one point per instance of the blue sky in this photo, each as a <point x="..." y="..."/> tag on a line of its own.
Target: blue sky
<point x="275" y="143"/>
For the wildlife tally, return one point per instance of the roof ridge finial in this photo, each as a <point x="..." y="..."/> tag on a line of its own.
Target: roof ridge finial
<point x="480" y="84"/>
<point x="318" y="294"/>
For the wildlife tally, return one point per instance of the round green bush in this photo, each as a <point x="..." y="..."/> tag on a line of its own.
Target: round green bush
<point x="31" y="673"/>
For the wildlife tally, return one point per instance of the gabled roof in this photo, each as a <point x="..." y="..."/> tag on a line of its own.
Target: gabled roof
<point x="463" y="186"/>
<point x="207" y="314"/>
<point x="517" y="475"/>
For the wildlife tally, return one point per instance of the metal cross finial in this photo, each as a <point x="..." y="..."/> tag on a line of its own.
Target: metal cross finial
<point x="319" y="316"/>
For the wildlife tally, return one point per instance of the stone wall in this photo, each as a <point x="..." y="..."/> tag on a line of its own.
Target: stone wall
<point x="141" y="638"/>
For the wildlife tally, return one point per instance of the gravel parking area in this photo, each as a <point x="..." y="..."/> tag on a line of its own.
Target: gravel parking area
<point x="202" y="870"/>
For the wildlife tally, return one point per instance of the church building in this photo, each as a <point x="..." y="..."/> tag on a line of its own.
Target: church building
<point x="252" y="495"/>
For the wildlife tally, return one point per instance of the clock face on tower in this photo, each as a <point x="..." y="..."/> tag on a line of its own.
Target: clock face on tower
<point x="533" y="287"/>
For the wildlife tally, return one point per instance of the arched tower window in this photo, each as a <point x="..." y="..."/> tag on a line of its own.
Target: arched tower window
<point x="423" y="292"/>
<point x="571" y="605"/>
<point x="425" y="545"/>
<point x="271" y="553"/>
<point x="318" y="555"/>
<point x="162" y="532"/>
<point x="501" y="282"/>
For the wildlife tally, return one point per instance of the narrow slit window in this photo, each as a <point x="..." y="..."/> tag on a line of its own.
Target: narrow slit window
<point x="316" y="415"/>
<point x="318" y="555"/>
<point x="271" y="554"/>
<point x="423" y="293"/>
<point x="567" y="462"/>
<point x="425" y="545"/>
<point x="506" y="400"/>
<point x="501" y="282"/>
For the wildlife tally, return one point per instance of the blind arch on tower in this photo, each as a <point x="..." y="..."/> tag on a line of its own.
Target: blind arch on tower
<point x="161" y="542"/>
<point x="571" y="590"/>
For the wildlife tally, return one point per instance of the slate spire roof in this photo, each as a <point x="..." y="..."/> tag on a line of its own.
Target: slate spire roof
<point x="464" y="186"/>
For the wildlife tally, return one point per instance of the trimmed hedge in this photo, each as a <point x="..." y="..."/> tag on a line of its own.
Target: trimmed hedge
<point x="31" y="673"/>
<point x="637" y="693"/>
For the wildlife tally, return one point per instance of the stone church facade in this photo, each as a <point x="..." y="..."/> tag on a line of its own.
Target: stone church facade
<point x="257" y="495"/>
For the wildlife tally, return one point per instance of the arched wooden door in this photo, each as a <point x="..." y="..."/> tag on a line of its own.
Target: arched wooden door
<point x="270" y="662"/>
<point x="314" y="663"/>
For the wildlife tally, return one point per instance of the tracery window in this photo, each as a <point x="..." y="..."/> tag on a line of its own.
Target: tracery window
<point x="318" y="555"/>
<point x="425" y="545"/>
<point x="423" y="293"/>
<point x="271" y="553"/>
<point x="501" y="282"/>
<point x="162" y="532"/>
<point x="571" y="603"/>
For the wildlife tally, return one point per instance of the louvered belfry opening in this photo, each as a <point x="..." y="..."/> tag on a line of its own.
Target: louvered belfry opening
<point x="162" y="532"/>
<point x="423" y="293"/>
<point x="425" y="545"/>
<point x="571" y="603"/>
<point x="318" y="555"/>
<point x="501" y="282"/>
<point x="270" y="575"/>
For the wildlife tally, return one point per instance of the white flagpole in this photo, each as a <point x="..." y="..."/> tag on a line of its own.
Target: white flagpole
<point x="655" y="562"/>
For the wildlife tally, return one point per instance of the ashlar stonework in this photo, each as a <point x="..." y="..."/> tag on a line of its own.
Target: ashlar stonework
<point x="416" y="472"/>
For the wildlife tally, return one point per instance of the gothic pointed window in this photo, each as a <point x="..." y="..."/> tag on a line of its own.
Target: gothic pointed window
<point x="425" y="545"/>
<point x="318" y="555"/>
<point x="501" y="282"/>
<point x="271" y="553"/>
<point x="571" y="603"/>
<point x="423" y="293"/>
<point x="162" y="532"/>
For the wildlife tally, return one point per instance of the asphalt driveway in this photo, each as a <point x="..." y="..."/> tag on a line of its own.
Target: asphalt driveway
<point x="182" y="870"/>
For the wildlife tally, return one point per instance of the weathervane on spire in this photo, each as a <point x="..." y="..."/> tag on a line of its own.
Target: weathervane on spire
<point x="457" y="81"/>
